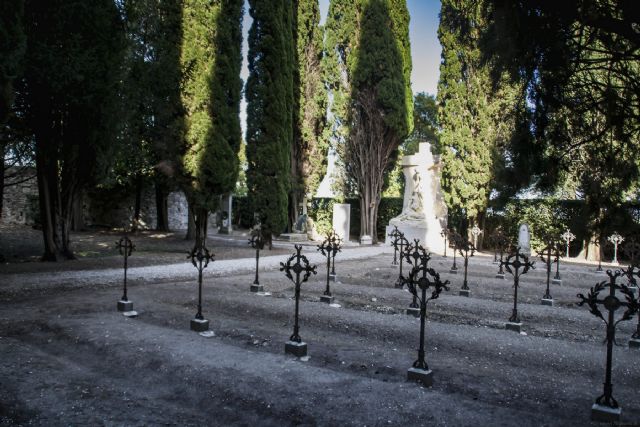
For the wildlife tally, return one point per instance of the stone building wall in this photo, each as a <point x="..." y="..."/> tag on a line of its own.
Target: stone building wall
<point x="20" y="201"/>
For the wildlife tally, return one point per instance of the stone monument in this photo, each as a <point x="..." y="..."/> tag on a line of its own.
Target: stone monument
<point x="424" y="214"/>
<point x="524" y="239"/>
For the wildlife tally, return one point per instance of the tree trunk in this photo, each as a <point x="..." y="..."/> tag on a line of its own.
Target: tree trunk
<point x="200" y="220"/>
<point x="77" y="219"/>
<point x="138" y="204"/>
<point x="191" y="224"/>
<point x="162" y="207"/>
<point x="2" y="153"/>
<point x="47" y="207"/>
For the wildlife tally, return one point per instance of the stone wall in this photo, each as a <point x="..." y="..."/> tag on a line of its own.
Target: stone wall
<point x="20" y="201"/>
<point x="20" y="207"/>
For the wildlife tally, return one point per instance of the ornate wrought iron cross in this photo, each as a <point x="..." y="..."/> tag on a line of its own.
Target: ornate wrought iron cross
<point x="257" y="242"/>
<point x="632" y="251"/>
<point x="125" y="247"/>
<point x="475" y="232"/>
<point x="422" y="278"/>
<point x="611" y="303"/>
<point x="297" y="264"/>
<point x="456" y="239"/>
<point x="516" y="264"/>
<point x="466" y="250"/>
<point x="200" y="258"/>
<point x="402" y="242"/>
<point x="504" y="244"/>
<point x="394" y="242"/>
<point x="329" y="248"/>
<point x="413" y="254"/>
<point x="549" y="254"/>
<point x="445" y="234"/>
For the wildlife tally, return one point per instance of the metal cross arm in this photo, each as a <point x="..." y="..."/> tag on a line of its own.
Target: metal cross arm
<point x="298" y="270"/>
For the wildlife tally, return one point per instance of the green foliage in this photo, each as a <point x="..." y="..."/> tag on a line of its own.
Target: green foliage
<point x="543" y="218"/>
<point x="12" y="48"/>
<point x="425" y="125"/>
<point x="210" y="96"/>
<point x="368" y="67"/>
<point x="270" y="104"/>
<point x="476" y="113"/>
<point x="311" y="143"/>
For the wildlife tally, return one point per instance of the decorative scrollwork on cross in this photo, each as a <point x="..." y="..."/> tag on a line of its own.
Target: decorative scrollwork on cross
<point x="125" y="247"/>
<point x="516" y="264"/>
<point x="298" y="270"/>
<point x="549" y="254"/>
<point x="200" y="258"/>
<point x="257" y="242"/>
<point x="330" y="248"/>
<point x="466" y="250"/>
<point x="611" y="304"/>
<point x="395" y="234"/>
<point x="414" y="254"/>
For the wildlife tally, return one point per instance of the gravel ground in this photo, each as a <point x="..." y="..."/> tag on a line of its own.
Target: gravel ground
<point x="69" y="358"/>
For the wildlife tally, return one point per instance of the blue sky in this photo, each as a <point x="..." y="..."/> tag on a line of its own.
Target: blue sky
<point x="425" y="47"/>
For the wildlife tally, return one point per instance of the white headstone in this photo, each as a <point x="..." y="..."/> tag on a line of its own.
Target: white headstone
<point x="424" y="214"/>
<point x="341" y="220"/>
<point x="524" y="239"/>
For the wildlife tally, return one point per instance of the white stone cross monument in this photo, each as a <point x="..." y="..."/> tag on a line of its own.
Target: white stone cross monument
<point x="424" y="214"/>
<point x="524" y="239"/>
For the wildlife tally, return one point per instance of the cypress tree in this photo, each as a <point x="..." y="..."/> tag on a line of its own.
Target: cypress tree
<point x="310" y="144"/>
<point x="73" y="66"/>
<point x="270" y="105"/>
<point x="211" y="88"/>
<point x="369" y="69"/>
<point x="476" y="116"/>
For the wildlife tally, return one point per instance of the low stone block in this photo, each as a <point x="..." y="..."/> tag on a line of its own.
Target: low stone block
<point x="257" y="288"/>
<point x="125" y="305"/>
<point x="453" y="271"/>
<point x="130" y="314"/>
<point x="421" y="375"/>
<point x="199" y="325"/>
<point x="500" y="276"/>
<point x="413" y="311"/>
<point x="547" y="301"/>
<point x="366" y="240"/>
<point x="333" y="278"/>
<point x="298" y="349"/>
<point x="293" y="237"/>
<point x="605" y="413"/>
<point x="634" y="343"/>
<point x="512" y="326"/>
<point x="556" y="282"/>
<point x="326" y="298"/>
<point x="465" y="292"/>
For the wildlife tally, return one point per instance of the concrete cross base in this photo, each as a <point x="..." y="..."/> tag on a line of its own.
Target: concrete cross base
<point x="425" y="377"/>
<point x="257" y="288"/>
<point x="634" y="290"/>
<point x="199" y="325"/>
<point x="366" y="240"/>
<point x="413" y="311"/>
<point x="453" y="271"/>
<point x="293" y="237"/>
<point x="556" y="282"/>
<point x="298" y="349"/>
<point x="500" y="276"/>
<point x="394" y="265"/>
<point x="131" y="313"/>
<point x="600" y="271"/>
<point x="496" y="263"/>
<point x="465" y="292"/>
<point x="605" y="414"/>
<point x="547" y="301"/>
<point x="333" y="278"/>
<point x="634" y="343"/>
<point x="512" y="326"/>
<point x="326" y="298"/>
<point x="125" y="305"/>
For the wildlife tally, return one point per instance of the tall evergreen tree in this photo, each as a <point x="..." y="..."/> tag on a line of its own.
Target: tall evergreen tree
<point x="476" y="116"/>
<point x="368" y="71"/>
<point x="270" y="107"/>
<point x="310" y="145"/>
<point x="211" y="88"/>
<point x="73" y="65"/>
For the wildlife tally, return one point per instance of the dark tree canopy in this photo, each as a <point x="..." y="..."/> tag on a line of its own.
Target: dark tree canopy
<point x="270" y="105"/>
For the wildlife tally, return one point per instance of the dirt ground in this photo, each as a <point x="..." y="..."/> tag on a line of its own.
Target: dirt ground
<point x="69" y="358"/>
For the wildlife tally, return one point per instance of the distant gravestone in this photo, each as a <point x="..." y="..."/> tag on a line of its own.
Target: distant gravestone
<point x="341" y="220"/>
<point x="524" y="239"/>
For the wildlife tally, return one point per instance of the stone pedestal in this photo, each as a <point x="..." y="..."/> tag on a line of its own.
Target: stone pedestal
<point x="226" y="207"/>
<point x="465" y="292"/>
<point x="130" y="314"/>
<point x="257" y="288"/>
<point x="293" y="237"/>
<point x="125" y="305"/>
<point x="556" y="282"/>
<point x="298" y="349"/>
<point x="547" y="301"/>
<point x="366" y="240"/>
<point x="326" y="298"/>
<point x="424" y="213"/>
<point x="634" y="343"/>
<point x="333" y="278"/>
<point x="512" y="326"/>
<point x="425" y="377"/>
<point x="199" y="325"/>
<point x="453" y="271"/>
<point x="500" y="276"/>
<point x="412" y="311"/>
<point x="342" y="220"/>
<point x="605" y="414"/>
